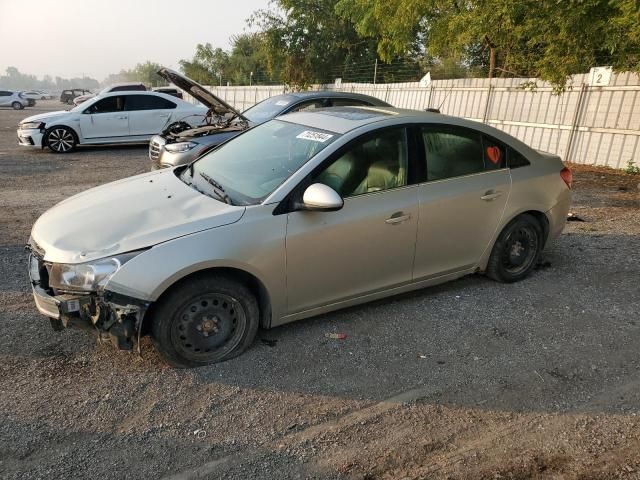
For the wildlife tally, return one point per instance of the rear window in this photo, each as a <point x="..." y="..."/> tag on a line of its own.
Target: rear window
<point x="148" y="102"/>
<point x="129" y="88"/>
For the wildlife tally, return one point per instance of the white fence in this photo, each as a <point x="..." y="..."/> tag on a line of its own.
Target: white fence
<point x="586" y="124"/>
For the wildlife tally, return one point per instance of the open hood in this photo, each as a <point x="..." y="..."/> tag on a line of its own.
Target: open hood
<point x="197" y="91"/>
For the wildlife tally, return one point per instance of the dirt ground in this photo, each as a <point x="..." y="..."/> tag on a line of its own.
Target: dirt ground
<point x="469" y="380"/>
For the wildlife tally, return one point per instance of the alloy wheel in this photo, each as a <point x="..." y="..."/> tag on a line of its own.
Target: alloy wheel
<point x="61" y="140"/>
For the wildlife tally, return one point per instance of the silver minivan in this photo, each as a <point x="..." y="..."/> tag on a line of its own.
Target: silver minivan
<point x="304" y="214"/>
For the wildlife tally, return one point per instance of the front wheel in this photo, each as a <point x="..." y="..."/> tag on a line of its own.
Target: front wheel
<point x="60" y="139"/>
<point x="17" y="106"/>
<point x="516" y="251"/>
<point x="205" y="320"/>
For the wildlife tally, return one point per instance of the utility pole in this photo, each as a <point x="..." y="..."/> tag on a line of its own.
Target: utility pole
<point x="250" y="78"/>
<point x="375" y="71"/>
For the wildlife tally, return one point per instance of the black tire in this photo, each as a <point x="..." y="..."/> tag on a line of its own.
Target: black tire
<point x="60" y="139"/>
<point x="17" y="106"/>
<point x="516" y="251"/>
<point x="205" y="320"/>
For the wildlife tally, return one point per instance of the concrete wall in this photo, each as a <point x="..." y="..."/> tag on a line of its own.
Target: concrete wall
<point x="585" y="124"/>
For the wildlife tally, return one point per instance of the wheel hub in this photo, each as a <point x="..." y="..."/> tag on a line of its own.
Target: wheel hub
<point x="208" y="324"/>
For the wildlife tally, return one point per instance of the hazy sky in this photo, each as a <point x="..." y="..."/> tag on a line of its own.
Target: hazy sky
<point x="69" y="38"/>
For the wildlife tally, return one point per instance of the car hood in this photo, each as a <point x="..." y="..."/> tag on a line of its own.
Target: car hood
<point x="45" y="116"/>
<point x="197" y="91"/>
<point x="130" y="214"/>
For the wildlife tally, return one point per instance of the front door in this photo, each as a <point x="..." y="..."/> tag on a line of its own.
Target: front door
<point x="368" y="245"/>
<point x="105" y="118"/>
<point x="462" y="202"/>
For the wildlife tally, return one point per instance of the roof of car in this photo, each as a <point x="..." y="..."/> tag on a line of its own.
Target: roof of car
<point x="341" y="120"/>
<point x="344" y="119"/>
<point x="332" y="94"/>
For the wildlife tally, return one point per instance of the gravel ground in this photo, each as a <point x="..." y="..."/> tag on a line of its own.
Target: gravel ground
<point x="468" y="380"/>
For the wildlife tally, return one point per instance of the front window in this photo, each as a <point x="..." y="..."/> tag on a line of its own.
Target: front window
<point x="250" y="167"/>
<point x="377" y="163"/>
<point x="105" y="105"/>
<point x="268" y="109"/>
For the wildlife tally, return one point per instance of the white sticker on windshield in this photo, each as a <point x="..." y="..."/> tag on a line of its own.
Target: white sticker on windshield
<point x="315" y="136"/>
<point x="282" y="103"/>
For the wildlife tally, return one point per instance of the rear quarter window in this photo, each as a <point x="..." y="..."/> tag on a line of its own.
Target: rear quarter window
<point x="515" y="159"/>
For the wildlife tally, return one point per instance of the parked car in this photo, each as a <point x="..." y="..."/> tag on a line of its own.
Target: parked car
<point x="35" y="95"/>
<point x="31" y="102"/>
<point x="120" y="87"/>
<point x="169" y="91"/>
<point x="44" y="95"/>
<point x="178" y="145"/>
<point x="118" y="117"/>
<point x="13" y="99"/>
<point x="67" y="96"/>
<point x="304" y="214"/>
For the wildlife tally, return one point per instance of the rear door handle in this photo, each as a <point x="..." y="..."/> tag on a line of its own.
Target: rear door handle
<point x="396" y="218"/>
<point x="490" y="195"/>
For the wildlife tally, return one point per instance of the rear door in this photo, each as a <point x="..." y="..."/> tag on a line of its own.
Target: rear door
<point x="148" y="114"/>
<point x="462" y="200"/>
<point x="105" y="118"/>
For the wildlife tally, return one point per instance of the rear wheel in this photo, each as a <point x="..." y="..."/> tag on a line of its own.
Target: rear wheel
<point x="60" y="139"/>
<point x="516" y="251"/>
<point x="17" y="106"/>
<point x="203" y="321"/>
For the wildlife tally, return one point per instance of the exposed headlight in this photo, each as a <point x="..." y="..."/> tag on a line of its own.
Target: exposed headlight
<point x="180" y="147"/>
<point x="90" y="276"/>
<point x="31" y="125"/>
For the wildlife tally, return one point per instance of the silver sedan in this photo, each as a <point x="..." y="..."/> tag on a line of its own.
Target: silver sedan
<point x="305" y="214"/>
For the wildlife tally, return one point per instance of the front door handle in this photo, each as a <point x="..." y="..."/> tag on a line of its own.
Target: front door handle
<point x="397" y="217"/>
<point x="490" y="195"/>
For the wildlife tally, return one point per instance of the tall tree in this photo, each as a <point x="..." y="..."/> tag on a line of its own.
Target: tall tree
<point x="208" y="66"/>
<point x="546" y="39"/>
<point x="307" y="42"/>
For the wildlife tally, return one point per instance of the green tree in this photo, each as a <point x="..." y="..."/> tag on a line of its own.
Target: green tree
<point x="208" y="66"/>
<point x="248" y="56"/>
<point x="147" y="73"/>
<point x="306" y="42"/>
<point x="546" y="39"/>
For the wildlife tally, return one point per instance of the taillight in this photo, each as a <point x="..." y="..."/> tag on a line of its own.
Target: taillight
<point x="566" y="176"/>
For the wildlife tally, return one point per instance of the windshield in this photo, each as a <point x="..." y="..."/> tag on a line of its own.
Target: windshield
<point x="268" y="109"/>
<point x="250" y="167"/>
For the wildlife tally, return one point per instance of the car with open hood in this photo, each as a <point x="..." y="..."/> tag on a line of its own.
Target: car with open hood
<point x="303" y="214"/>
<point x="179" y="145"/>
<point x="111" y="118"/>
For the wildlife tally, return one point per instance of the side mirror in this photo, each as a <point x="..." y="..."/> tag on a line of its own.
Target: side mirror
<point x="319" y="196"/>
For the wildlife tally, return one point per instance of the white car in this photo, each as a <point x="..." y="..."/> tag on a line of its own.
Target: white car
<point x="14" y="100"/>
<point x="118" y="117"/>
<point x="37" y="95"/>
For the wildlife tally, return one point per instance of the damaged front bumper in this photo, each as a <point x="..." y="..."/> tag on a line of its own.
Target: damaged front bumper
<point x="110" y="315"/>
